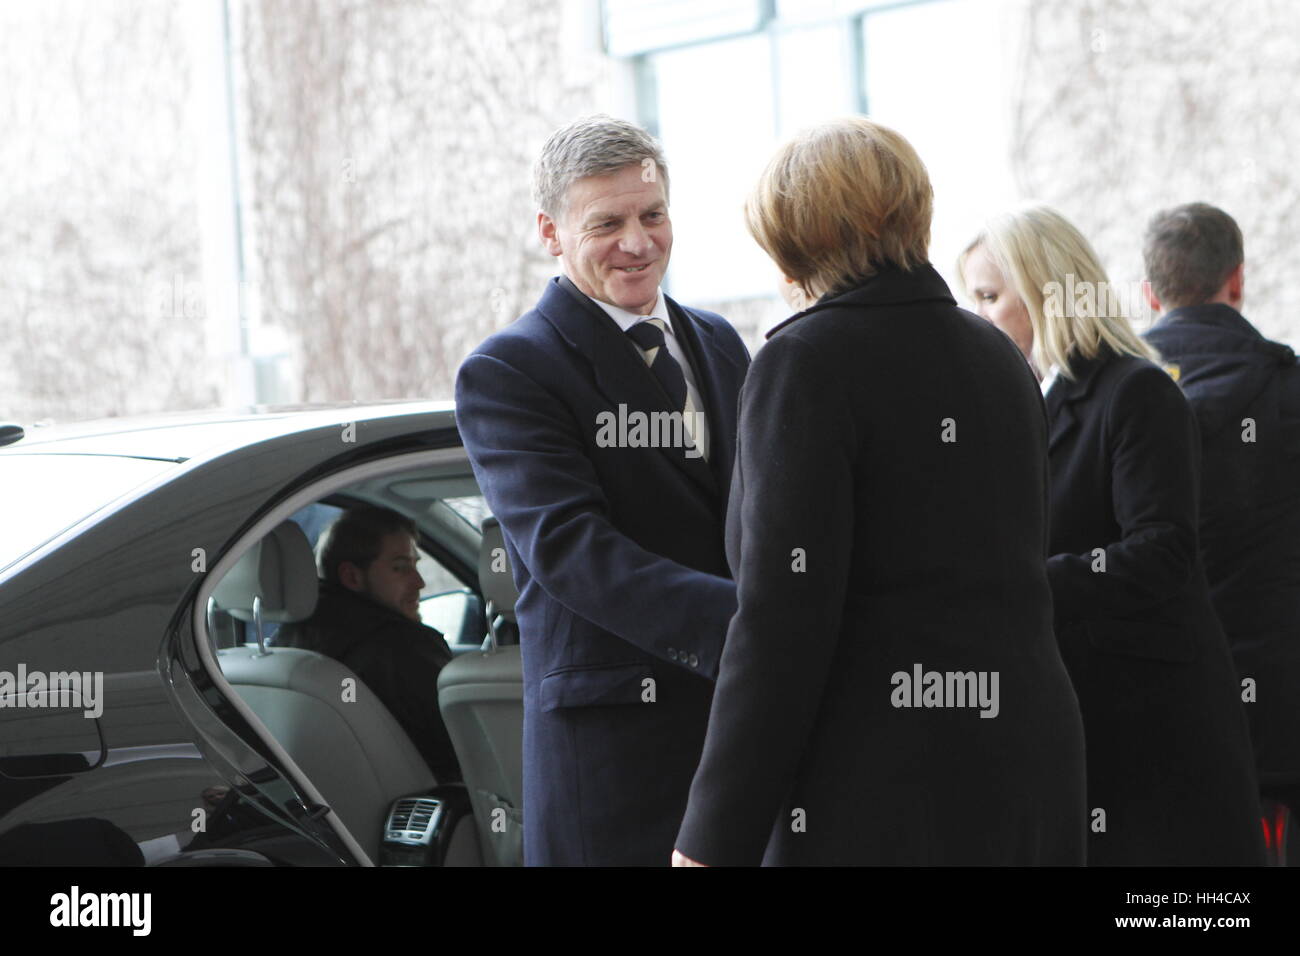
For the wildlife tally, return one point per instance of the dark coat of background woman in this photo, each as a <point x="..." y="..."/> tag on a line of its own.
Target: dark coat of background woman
<point x="1175" y="776"/>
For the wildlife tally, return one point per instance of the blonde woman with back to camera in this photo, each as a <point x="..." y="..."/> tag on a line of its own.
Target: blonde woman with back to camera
<point x="1170" y="774"/>
<point x="890" y="691"/>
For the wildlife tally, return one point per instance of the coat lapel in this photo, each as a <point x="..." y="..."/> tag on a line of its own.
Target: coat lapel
<point x="1060" y="412"/>
<point x="718" y="378"/>
<point x="1066" y="393"/>
<point x="618" y="370"/>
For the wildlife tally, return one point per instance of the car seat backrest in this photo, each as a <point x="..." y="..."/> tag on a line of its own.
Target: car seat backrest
<point x="278" y="574"/>
<point x="497" y="583"/>
<point x="481" y="695"/>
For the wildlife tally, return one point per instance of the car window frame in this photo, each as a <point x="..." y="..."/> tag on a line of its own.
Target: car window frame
<point x="319" y="489"/>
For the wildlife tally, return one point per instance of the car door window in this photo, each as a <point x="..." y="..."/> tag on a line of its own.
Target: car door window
<point x="447" y="604"/>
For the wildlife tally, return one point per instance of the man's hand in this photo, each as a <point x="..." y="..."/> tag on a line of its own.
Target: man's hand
<point x="681" y="860"/>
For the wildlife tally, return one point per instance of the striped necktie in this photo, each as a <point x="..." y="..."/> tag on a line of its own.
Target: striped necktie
<point x="650" y="338"/>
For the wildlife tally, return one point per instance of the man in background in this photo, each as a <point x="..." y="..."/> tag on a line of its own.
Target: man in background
<point x="1245" y="391"/>
<point x="368" y="618"/>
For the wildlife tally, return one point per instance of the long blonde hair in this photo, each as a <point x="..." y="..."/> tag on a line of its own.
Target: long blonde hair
<point x="1041" y="254"/>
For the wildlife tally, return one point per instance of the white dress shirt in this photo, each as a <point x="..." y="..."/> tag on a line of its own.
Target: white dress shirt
<point x="1049" y="379"/>
<point x="694" y="403"/>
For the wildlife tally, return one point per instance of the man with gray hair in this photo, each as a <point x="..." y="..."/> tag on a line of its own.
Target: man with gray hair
<point x="614" y="534"/>
<point x="1245" y="391"/>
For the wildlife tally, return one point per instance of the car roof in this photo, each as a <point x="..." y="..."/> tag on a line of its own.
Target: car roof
<point x="179" y="436"/>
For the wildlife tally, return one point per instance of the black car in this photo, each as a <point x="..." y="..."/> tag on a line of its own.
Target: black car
<point x="145" y="720"/>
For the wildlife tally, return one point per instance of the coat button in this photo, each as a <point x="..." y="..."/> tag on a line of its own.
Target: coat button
<point x="694" y="661"/>
<point x="672" y="654"/>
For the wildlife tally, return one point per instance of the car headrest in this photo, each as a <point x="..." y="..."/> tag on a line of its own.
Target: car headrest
<point x="495" y="578"/>
<point x="281" y="570"/>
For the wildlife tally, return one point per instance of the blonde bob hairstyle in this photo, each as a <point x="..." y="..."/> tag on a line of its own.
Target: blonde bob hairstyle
<point x="1071" y="303"/>
<point x="841" y="201"/>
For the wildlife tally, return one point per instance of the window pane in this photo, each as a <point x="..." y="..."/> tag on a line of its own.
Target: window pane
<point x="815" y="80"/>
<point x="636" y="26"/>
<point x="939" y="74"/>
<point x="716" y="123"/>
<point x="790" y="11"/>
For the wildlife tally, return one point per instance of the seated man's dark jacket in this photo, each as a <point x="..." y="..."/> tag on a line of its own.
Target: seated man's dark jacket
<point x="397" y="658"/>
<point x="1245" y="391"/>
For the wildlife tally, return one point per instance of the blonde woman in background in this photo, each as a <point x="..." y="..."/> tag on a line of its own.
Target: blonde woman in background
<point x="1170" y="773"/>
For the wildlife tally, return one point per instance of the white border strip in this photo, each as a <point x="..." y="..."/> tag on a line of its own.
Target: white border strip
<point x="299" y="499"/>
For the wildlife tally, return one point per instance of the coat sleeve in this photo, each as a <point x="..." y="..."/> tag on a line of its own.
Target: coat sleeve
<point x="1154" y="457"/>
<point x="794" y="469"/>
<point x="529" y="457"/>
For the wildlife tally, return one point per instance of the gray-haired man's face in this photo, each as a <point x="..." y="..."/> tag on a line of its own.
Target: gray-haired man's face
<point x="614" y="237"/>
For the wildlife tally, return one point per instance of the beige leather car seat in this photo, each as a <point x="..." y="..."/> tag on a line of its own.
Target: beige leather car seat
<point x="354" y="751"/>
<point x="481" y="695"/>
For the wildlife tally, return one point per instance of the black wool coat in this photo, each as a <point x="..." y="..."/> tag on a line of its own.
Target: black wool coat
<point x="887" y="521"/>
<point x="1245" y="391"/>
<point x="1169" y="757"/>
<point x="396" y="658"/>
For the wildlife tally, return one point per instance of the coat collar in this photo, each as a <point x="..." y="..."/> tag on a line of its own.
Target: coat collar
<point x="1215" y="328"/>
<point x="1223" y="363"/>
<point x="353" y="614"/>
<point x="1083" y="375"/>
<point x="1067" y="392"/>
<point x="567" y="309"/>
<point x="889" y="286"/>
<point x="1214" y="315"/>
<point x="620" y="372"/>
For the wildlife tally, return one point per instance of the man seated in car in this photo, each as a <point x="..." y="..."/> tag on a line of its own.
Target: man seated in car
<point x="368" y="619"/>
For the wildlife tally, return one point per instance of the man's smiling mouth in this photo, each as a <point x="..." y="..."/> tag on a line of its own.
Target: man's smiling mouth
<point x="633" y="268"/>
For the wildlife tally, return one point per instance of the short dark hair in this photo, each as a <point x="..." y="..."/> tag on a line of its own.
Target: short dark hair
<point x="1189" y="252"/>
<point x="357" y="535"/>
